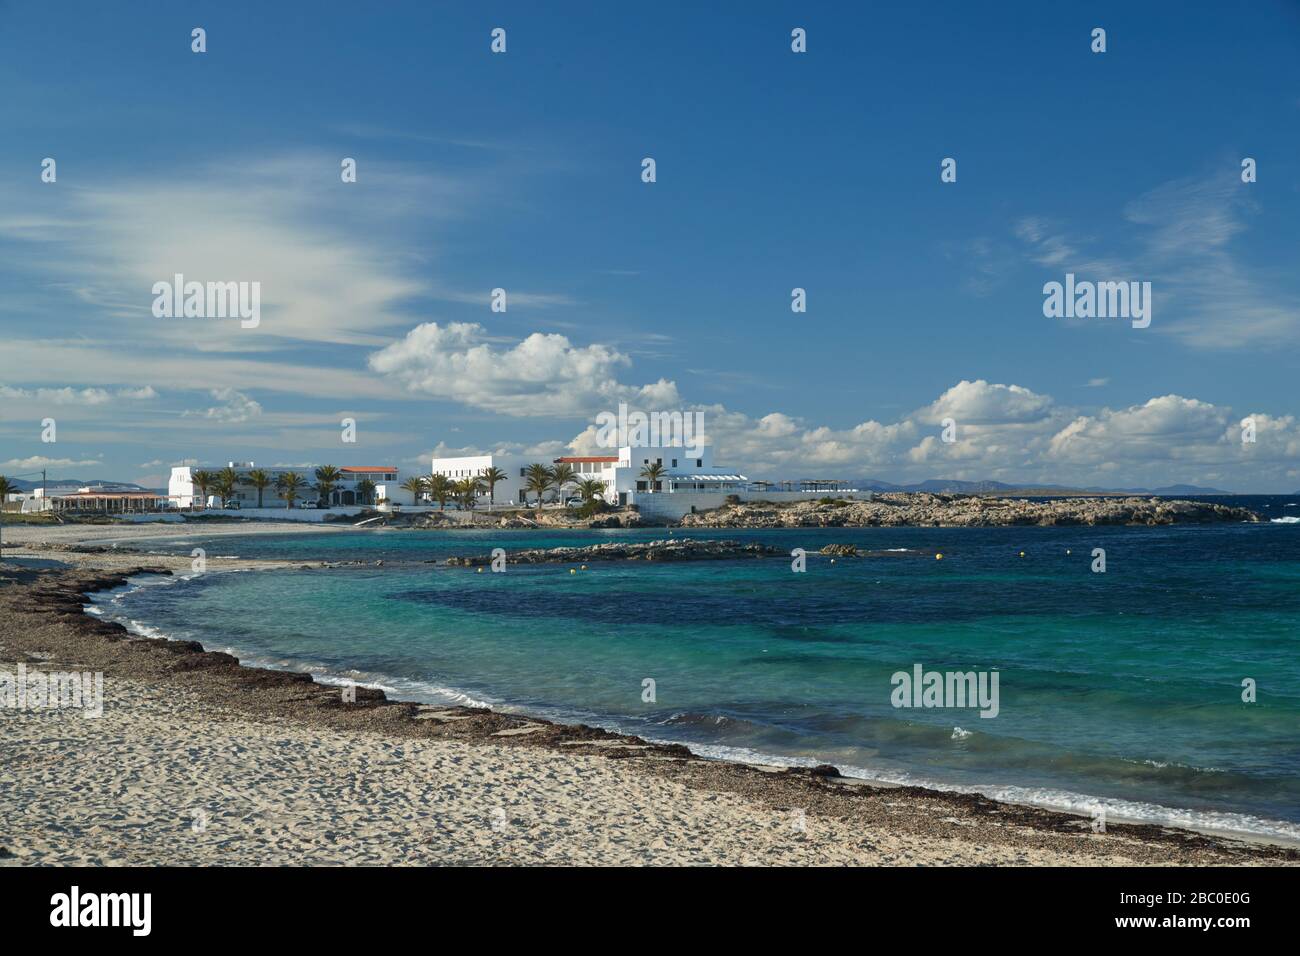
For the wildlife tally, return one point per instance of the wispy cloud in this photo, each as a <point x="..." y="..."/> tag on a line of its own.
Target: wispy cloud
<point x="1182" y="240"/>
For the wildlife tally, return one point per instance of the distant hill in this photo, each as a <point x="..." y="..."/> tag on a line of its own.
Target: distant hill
<point x="23" y="484"/>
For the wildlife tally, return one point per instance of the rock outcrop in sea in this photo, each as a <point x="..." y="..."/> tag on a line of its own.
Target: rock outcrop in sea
<point x="965" y="511"/>
<point x="680" y="549"/>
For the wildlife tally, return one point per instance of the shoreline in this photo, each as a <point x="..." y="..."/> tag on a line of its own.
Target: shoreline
<point x="768" y="762"/>
<point x="54" y="601"/>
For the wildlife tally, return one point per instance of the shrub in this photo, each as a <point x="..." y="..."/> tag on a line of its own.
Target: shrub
<point x="593" y="507"/>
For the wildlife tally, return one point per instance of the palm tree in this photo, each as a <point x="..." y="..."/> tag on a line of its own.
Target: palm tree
<point x="440" y="489"/>
<point x="288" y="485"/>
<point x="202" y="480"/>
<point x="591" y="488"/>
<point x="539" y="479"/>
<point x="416" y="486"/>
<point x="490" y="477"/>
<point x="327" y="476"/>
<point x="562" y="474"/>
<point x="366" y="489"/>
<point x="468" y="490"/>
<point x="6" y="489"/>
<point x="652" y="473"/>
<point x="227" y="478"/>
<point x="259" y="479"/>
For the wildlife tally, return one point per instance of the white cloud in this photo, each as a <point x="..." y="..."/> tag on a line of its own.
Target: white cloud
<point x="1205" y="293"/>
<point x="37" y="462"/>
<point x="75" y="396"/>
<point x="541" y="375"/>
<point x="1011" y="433"/>
<point x="235" y="407"/>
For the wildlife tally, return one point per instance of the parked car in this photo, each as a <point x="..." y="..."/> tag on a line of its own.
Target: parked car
<point x="232" y="506"/>
<point x="573" y="502"/>
<point x="309" y="504"/>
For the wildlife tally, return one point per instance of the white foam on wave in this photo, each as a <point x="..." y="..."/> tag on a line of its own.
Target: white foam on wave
<point x="422" y="691"/>
<point x="1064" y="801"/>
<point x="1289" y="519"/>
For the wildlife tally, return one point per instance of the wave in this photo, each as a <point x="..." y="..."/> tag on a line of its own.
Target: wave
<point x="1064" y="801"/>
<point x="1289" y="519"/>
<point x="322" y="673"/>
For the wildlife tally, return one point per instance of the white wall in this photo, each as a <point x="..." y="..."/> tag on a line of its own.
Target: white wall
<point x="507" y="491"/>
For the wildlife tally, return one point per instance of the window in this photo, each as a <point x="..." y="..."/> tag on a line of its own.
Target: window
<point x="699" y="462"/>
<point x="523" y="472"/>
<point x="674" y="462"/>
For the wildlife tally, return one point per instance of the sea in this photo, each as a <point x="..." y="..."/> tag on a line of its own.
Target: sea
<point x="1164" y="689"/>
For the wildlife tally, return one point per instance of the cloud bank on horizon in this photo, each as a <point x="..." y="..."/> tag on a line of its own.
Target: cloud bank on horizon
<point x="377" y="295"/>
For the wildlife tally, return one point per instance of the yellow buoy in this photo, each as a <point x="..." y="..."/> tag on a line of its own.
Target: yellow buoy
<point x="938" y="557"/>
<point x="1067" y="550"/>
<point x="480" y="570"/>
<point x="832" y="560"/>
<point x="572" y="571"/>
<point x="1022" y="554"/>
<point x="584" y="567"/>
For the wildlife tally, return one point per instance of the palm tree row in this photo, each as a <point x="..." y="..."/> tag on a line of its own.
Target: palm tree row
<point x="224" y="482"/>
<point x="539" y="479"/>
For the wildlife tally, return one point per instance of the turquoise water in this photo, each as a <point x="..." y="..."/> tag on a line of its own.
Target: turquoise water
<point x="1121" y="689"/>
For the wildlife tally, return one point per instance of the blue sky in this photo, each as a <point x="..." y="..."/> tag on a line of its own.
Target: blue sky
<point x="775" y="170"/>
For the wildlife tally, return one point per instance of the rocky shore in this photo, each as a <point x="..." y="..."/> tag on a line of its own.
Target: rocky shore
<point x="965" y="511"/>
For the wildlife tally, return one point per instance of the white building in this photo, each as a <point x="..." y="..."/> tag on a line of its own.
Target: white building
<point x="682" y="470"/>
<point x="47" y="497"/>
<point x="348" y="490"/>
<point x="511" y="491"/>
<point x="621" y="474"/>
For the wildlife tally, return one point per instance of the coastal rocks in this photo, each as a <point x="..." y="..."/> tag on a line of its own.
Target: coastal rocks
<point x="680" y="549"/>
<point x="966" y="511"/>
<point x="840" y="550"/>
<point x="623" y="519"/>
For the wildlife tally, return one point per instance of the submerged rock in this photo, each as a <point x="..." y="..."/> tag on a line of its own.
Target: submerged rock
<point x="678" y="549"/>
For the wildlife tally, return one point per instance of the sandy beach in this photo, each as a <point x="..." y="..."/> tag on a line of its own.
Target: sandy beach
<point x="198" y="760"/>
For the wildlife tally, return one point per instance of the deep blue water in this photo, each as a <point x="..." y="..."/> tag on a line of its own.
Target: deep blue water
<point x="1121" y="688"/>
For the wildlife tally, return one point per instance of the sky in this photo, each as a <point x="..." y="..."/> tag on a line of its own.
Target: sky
<point x="774" y="170"/>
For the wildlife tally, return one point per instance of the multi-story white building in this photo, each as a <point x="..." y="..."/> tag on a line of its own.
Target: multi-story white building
<point x="511" y="491"/>
<point x="621" y="474"/>
<point x="346" y="491"/>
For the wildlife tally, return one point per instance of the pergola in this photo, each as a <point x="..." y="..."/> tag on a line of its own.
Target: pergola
<point x="111" y="502"/>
